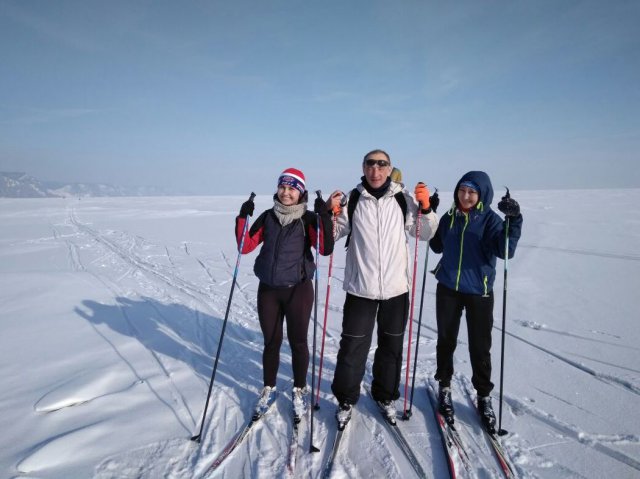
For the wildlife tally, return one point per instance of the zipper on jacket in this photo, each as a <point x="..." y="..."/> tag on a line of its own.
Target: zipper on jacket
<point x="466" y="222"/>
<point x="379" y="235"/>
<point x="276" y="253"/>
<point x="303" y="275"/>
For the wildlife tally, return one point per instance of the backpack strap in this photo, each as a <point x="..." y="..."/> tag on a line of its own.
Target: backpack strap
<point x="354" y="196"/>
<point x="402" y="202"/>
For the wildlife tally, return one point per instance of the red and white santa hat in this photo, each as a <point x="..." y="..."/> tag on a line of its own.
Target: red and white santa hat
<point x="293" y="178"/>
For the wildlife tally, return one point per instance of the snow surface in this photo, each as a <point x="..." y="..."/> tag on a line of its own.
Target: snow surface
<point x="112" y="310"/>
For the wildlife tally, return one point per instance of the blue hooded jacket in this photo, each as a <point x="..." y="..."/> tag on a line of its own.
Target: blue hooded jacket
<point x="471" y="242"/>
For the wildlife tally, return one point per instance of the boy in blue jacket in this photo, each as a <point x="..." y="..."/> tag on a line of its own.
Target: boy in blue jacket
<point x="470" y="237"/>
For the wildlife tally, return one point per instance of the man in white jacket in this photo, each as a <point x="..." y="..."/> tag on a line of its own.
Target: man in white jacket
<point x="377" y="280"/>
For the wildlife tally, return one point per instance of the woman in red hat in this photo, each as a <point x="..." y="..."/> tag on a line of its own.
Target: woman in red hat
<point x="285" y="268"/>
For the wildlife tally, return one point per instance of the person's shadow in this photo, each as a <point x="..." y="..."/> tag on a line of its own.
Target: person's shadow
<point x="185" y="334"/>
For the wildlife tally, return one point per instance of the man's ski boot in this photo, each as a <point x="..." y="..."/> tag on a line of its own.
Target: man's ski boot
<point x="388" y="409"/>
<point x="267" y="396"/>
<point x="485" y="409"/>
<point x="343" y="415"/>
<point x="298" y="397"/>
<point x="445" y="404"/>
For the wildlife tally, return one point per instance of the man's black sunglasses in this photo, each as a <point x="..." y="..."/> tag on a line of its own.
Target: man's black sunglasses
<point x="378" y="163"/>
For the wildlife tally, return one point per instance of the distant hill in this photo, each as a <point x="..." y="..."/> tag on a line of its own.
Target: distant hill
<point x="21" y="185"/>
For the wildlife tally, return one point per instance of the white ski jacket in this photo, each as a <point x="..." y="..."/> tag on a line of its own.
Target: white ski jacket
<point x="377" y="263"/>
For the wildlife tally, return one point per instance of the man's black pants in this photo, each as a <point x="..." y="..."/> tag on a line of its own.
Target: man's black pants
<point x="359" y="318"/>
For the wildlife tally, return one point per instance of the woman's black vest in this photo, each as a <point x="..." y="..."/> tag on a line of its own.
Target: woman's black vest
<point x="285" y="258"/>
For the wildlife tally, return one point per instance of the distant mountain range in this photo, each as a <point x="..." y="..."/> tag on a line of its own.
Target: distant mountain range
<point x="21" y="185"/>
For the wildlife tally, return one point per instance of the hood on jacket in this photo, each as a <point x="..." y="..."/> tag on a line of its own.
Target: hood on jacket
<point x="485" y="194"/>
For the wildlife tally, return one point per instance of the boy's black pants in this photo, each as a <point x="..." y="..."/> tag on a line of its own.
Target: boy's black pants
<point x="479" y="315"/>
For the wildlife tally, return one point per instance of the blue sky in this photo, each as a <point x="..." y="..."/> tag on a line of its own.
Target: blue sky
<point x="218" y="97"/>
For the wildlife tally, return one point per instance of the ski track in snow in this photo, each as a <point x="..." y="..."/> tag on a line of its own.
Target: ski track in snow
<point x="128" y="256"/>
<point x="607" y="378"/>
<point x="544" y="328"/>
<point x="177" y="397"/>
<point x="629" y="257"/>
<point x="596" y="442"/>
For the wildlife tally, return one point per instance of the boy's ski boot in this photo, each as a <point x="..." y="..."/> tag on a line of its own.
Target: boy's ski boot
<point x="445" y="404"/>
<point x="485" y="409"/>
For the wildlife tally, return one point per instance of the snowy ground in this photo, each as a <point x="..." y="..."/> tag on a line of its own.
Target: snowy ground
<point x="112" y="310"/>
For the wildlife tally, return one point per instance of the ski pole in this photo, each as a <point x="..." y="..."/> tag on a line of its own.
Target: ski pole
<point x="224" y="324"/>
<point x="406" y="414"/>
<point x="313" y="448"/>
<point x="502" y="432"/>
<point x="324" y="326"/>
<point x="343" y="203"/>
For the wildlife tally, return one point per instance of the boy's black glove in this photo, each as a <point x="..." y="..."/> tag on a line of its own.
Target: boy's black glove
<point x="246" y="209"/>
<point x="509" y="206"/>
<point x="434" y="201"/>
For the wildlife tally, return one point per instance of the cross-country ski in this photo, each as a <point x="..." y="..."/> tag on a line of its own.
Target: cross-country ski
<point x="239" y="438"/>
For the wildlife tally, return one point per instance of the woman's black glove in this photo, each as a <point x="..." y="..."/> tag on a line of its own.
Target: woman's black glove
<point x="246" y="209"/>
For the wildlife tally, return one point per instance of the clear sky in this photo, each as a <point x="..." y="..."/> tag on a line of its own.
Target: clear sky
<point x="218" y="97"/>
